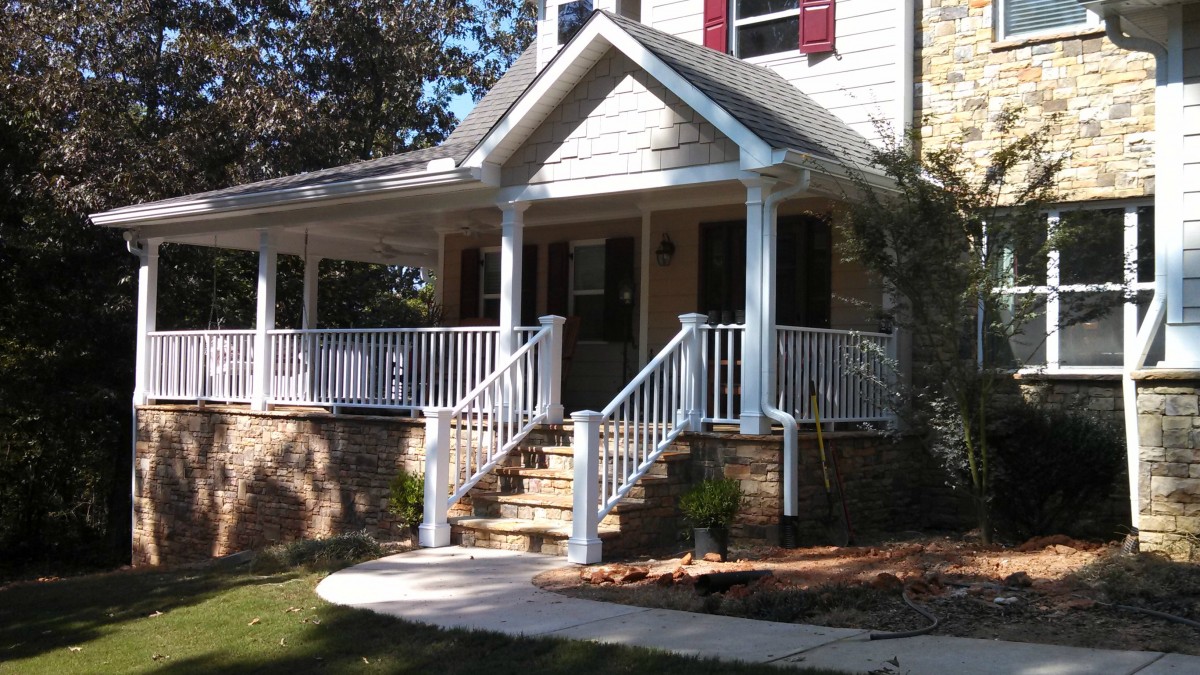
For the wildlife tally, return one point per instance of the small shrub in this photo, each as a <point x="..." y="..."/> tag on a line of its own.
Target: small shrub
<point x="713" y="503"/>
<point x="407" y="501"/>
<point x="1050" y="467"/>
<point x="332" y="552"/>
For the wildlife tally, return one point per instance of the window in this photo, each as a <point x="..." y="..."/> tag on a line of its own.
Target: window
<point x="587" y="288"/>
<point x="489" y="285"/>
<point x="571" y="17"/>
<point x="1072" y="328"/>
<point x="1017" y="18"/>
<point x="752" y="28"/>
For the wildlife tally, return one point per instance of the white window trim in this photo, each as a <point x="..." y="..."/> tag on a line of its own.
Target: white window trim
<point x="573" y="293"/>
<point x="484" y="296"/>
<point x="1091" y="20"/>
<point x="735" y="23"/>
<point x="1129" y="309"/>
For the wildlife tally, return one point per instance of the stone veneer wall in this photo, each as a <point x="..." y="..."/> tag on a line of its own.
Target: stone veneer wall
<point x="1105" y="96"/>
<point x="1100" y="396"/>
<point x="211" y="482"/>
<point x="1169" y="481"/>
<point x="885" y="482"/>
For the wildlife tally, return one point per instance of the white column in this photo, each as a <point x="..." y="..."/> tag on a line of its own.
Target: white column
<point x="648" y="247"/>
<point x="753" y="421"/>
<point x="583" y="547"/>
<point x="512" y="242"/>
<point x="312" y="267"/>
<point x="265" y="320"/>
<point x="435" y="527"/>
<point x="147" y="308"/>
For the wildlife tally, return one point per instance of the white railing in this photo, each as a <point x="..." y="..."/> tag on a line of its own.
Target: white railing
<point x="616" y="447"/>
<point x="722" y="353"/>
<point x="201" y="365"/>
<point x="464" y="443"/>
<point x="404" y="368"/>
<point x="848" y="368"/>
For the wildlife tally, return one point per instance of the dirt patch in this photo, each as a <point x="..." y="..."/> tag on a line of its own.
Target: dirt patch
<point x="1052" y="590"/>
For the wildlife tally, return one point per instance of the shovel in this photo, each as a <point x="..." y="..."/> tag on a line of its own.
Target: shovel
<point x="837" y="523"/>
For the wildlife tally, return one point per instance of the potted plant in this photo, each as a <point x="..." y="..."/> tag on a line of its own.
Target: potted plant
<point x="407" y="500"/>
<point x="710" y="507"/>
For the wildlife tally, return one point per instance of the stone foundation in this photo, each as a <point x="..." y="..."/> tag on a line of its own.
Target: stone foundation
<point x="1097" y="394"/>
<point x="209" y="482"/>
<point x="1169" y="482"/>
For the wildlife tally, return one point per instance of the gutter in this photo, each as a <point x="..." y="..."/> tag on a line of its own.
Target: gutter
<point x="434" y="176"/>
<point x="1135" y="357"/>
<point x="769" y="374"/>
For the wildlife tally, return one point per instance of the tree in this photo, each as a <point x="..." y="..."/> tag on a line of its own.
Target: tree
<point x="946" y="242"/>
<point x="116" y="103"/>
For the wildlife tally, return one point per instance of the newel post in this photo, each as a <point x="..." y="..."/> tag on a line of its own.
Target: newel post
<point x="435" y="528"/>
<point x="584" y="545"/>
<point x="550" y="369"/>
<point x="694" y="370"/>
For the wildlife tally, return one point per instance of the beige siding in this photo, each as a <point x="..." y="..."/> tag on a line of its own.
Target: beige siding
<point x="617" y="120"/>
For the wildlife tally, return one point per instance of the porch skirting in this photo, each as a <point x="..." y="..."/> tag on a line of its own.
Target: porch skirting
<point x="216" y="480"/>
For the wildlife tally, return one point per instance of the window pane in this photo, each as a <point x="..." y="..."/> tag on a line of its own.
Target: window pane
<point x="747" y="8"/>
<point x="571" y="17"/>
<point x="1145" y="238"/>
<point x="491" y="273"/>
<point x="1030" y="16"/>
<point x="769" y="37"/>
<point x="1021" y="259"/>
<point x="589" y="268"/>
<point x="1094" y="252"/>
<point x="1093" y="329"/>
<point x="590" y="310"/>
<point x="1028" y="347"/>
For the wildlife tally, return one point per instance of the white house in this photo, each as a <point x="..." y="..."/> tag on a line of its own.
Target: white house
<point x="664" y="170"/>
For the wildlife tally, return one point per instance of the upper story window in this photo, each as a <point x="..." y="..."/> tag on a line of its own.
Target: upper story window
<point x="752" y="28"/>
<point x="1018" y="18"/>
<point x="571" y="17"/>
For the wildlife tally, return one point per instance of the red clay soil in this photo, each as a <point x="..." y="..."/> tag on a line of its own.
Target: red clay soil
<point x="1051" y="590"/>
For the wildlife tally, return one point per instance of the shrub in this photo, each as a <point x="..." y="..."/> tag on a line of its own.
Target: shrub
<point x="407" y="501"/>
<point x="713" y="503"/>
<point x="332" y="552"/>
<point x="1050" y="467"/>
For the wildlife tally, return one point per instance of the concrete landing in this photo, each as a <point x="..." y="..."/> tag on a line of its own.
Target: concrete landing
<point x="490" y="589"/>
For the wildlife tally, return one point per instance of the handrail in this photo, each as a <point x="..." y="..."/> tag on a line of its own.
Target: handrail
<point x="200" y="365"/>
<point x="465" y="442"/>
<point x="848" y="367"/>
<point x="617" y="446"/>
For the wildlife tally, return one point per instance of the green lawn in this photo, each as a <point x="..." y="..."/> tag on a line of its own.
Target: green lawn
<point x="222" y="620"/>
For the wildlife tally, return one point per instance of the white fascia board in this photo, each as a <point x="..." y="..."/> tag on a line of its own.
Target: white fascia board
<point x="374" y="187"/>
<point x="584" y="50"/>
<point x="634" y="182"/>
<point x="873" y="176"/>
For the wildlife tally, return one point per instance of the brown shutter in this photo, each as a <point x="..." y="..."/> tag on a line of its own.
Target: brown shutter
<point x="468" y="289"/>
<point x="816" y="26"/>
<point x="715" y="33"/>
<point x="558" y="278"/>
<point x="618" y="269"/>
<point x="529" y="267"/>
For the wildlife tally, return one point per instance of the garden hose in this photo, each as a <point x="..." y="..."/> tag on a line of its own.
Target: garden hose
<point x="910" y="633"/>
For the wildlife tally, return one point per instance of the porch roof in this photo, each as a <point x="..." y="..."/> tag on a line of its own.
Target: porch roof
<point x="351" y="208"/>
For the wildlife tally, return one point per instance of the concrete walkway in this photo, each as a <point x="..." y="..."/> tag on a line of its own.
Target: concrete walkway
<point x="488" y="589"/>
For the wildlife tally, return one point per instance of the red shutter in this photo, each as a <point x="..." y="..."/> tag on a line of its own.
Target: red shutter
<point x="468" y="289"/>
<point x="558" y="278"/>
<point x="715" y="33"/>
<point x="816" y="26"/>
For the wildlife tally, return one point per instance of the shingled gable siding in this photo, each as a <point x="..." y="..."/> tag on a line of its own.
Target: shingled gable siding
<point x="1191" y="169"/>
<point x="1105" y="96"/>
<point x="617" y="121"/>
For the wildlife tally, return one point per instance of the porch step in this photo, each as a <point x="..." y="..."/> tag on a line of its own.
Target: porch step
<point x="517" y="534"/>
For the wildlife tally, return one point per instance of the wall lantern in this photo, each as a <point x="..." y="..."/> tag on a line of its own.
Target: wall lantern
<point x="665" y="250"/>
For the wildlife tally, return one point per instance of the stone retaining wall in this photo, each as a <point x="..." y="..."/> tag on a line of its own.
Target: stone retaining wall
<point x="211" y="482"/>
<point x="1169" y="482"/>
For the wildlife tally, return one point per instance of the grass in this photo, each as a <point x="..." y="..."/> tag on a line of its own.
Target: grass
<point x="227" y="620"/>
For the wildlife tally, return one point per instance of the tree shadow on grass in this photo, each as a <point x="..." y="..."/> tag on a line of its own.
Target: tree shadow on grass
<point x="36" y="618"/>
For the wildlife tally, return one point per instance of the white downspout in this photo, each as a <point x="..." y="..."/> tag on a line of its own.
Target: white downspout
<point x="769" y="347"/>
<point x="1136" y="356"/>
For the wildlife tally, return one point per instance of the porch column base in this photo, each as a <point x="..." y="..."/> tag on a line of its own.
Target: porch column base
<point x="434" y="536"/>
<point x="583" y="551"/>
<point x="756" y="424"/>
<point x="554" y="414"/>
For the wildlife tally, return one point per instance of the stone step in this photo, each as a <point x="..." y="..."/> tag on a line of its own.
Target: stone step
<point x="550" y="501"/>
<point x="517" y="534"/>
